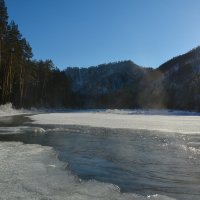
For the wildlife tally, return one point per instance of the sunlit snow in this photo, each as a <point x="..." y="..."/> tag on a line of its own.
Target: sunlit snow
<point x="188" y="124"/>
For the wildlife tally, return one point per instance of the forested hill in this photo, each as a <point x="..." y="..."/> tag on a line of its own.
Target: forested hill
<point x="23" y="81"/>
<point x="175" y="84"/>
<point x="105" y="78"/>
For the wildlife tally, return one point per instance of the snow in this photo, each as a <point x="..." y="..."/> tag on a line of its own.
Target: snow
<point x="34" y="172"/>
<point x="8" y="110"/>
<point x="154" y="120"/>
<point x="176" y="122"/>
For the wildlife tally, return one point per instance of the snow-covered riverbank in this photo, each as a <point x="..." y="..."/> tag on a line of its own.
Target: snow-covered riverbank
<point x="153" y="120"/>
<point x="186" y="124"/>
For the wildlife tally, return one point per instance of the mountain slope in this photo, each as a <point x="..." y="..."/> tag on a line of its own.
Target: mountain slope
<point x="175" y="84"/>
<point x="182" y="80"/>
<point x="105" y="78"/>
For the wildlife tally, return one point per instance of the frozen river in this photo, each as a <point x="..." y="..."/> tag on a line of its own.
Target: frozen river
<point x="144" y="164"/>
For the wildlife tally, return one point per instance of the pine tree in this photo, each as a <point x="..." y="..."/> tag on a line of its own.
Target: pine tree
<point x="26" y="55"/>
<point x="19" y="74"/>
<point x="13" y="56"/>
<point x="3" y="30"/>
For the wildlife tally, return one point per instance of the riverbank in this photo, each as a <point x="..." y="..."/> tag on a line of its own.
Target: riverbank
<point x="176" y="123"/>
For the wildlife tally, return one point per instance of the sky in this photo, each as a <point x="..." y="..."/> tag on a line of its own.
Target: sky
<point x="85" y="33"/>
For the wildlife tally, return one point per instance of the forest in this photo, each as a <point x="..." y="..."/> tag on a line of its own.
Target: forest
<point x="23" y="81"/>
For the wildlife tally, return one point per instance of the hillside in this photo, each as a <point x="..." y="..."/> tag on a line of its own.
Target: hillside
<point x="98" y="86"/>
<point x="182" y="80"/>
<point x="175" y="84"/>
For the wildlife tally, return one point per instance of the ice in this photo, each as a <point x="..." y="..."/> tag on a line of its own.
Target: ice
<point x="150" y="112"/>
<point x="34" y="172"/>
<point x="21" y="129"/>
<point x="186" y="124"/>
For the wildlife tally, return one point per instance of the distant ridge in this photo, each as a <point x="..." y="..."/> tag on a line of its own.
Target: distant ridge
<point x="104" y="78"/>
<point x="175" y="84"/>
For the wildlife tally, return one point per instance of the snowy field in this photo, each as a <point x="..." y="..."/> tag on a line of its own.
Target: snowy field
<point x="178" y="122"/>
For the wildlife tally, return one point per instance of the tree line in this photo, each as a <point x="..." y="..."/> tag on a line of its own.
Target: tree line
<point x="23" y="81"/>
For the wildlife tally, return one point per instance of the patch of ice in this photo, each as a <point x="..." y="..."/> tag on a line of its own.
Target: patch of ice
<point x="194" y="150"/>
<point x="33" y="172"/>
<point x="38" y="130"/>
<point x="183" y="147"/>
<point x="157" y="197"/>
<point x="150" y="112"/>
<point x="163" y="123"/>
<point x="61" y="129"/>
<point x="21" y="129"/>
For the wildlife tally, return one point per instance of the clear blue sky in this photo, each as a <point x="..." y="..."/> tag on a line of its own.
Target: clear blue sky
<point x="90" y="32"/>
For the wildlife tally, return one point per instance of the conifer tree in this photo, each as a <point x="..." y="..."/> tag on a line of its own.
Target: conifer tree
<point x="3" y="25"/>
<point x="19" y="74"/>
<point x="3" y="29"/>
<point x="13" y="55"/>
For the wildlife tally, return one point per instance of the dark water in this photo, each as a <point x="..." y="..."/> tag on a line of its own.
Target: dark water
<point x="141" y="162"/>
